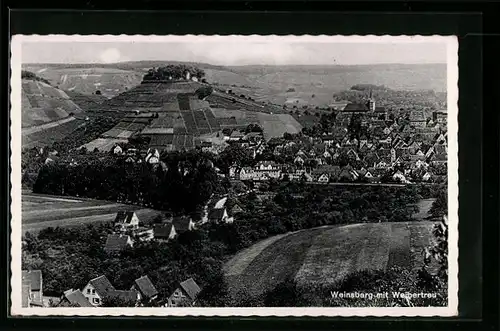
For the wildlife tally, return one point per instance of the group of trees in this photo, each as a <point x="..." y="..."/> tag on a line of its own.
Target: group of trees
<point x="183" y="185"/>
<point x="33" y="159"/>
<point x="174" y="72"/>
<point x="25" y="74"/>
<point x="204" y="92"/>
<point x="367" y="87"/>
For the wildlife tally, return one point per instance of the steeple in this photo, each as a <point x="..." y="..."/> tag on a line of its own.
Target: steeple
<point x="371" y="101"/>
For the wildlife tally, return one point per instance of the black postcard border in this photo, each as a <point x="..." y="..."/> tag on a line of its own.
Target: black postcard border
<point x="478" y="307"/>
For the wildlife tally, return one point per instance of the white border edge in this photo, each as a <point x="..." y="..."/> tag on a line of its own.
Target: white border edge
<point x="16" y="208"/>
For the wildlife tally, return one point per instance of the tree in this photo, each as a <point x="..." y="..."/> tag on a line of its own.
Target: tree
<point x="235" y="154"/>
<point x="204" y="92"/>
<point x="285" y="294"/>
<point x="439" y="207"/>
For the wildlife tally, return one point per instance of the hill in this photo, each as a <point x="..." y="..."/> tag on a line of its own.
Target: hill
<point x="314" y="85"/>
<point x="152" y="96"/>
<point x="262" y="83"/>
<point x="87" y="102"/>
<point x="42" y="103"/>
<point x="326" y="255"/>
<point x="88" y="79"/>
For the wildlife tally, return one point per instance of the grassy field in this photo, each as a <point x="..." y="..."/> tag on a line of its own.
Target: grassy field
<point x="327" y="254"/>
<point x="42" y="211"/>
<point x="274" y="125"/>
<point x="104" y="144"/>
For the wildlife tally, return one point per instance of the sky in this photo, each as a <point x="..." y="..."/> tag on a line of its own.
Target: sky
<point x="236" y="52"/>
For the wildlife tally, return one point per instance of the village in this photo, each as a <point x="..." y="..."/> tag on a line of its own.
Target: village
<point x="386" y="146"/>
<point x="384" y="149"/>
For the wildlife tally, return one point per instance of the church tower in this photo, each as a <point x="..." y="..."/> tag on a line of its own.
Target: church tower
<point x="371" y="102"/>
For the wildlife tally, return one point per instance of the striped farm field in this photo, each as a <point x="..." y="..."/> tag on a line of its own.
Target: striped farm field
<point x="327" y="254"/>
<point x="42" y="211"/>
<point x="42" y="103"/>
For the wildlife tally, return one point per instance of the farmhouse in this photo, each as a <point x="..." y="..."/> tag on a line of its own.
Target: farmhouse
<point x="117" y="150"/>
<point x="153" y="156"/>
<point x="326" y="174"/>
<point x="32" y="288"/>
<point x="183" y="224"/>
<point x="116" y="243"/>
<point x="219" y="215"/>
<point x="147" y="291"/>
<point x="164" y="232"/>
<point x="185" y="294"/>
<point x="97" y="289"/>
<point x="126" y="220"/>
<point x="100" y="288"/>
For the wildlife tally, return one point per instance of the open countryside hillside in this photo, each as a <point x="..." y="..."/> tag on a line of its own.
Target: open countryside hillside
<point x="42" y="103"/>
<point x="48" y="113"/>
<point x="183" y="118"/>
<point x="263" y="83"/>
<point x="324" y="256"/>
<point x="42" y="211"/>
<point x="109" y="81"/>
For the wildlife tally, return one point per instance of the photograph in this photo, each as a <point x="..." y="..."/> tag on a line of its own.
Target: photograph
<point x="199" y="175"/>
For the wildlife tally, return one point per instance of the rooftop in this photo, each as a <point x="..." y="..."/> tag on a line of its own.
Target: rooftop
<point x="146" y="287"/>
<point x="191" y="288"/>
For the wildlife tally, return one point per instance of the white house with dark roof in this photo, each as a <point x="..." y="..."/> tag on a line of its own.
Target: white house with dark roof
<point x="126" y="220"/>
<point x="164" y="232"/>
<point x="117" y="150"/>
<point x="97" y="289"/>
<point x="153" y="156"/>
<point x="100" y="288"/>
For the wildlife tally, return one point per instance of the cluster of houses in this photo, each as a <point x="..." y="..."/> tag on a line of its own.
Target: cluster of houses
<point x="411" y="149"/>
<point x="126" y="231"/>
<point x="128" y="228"/>
<point x="99" y="289"/>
